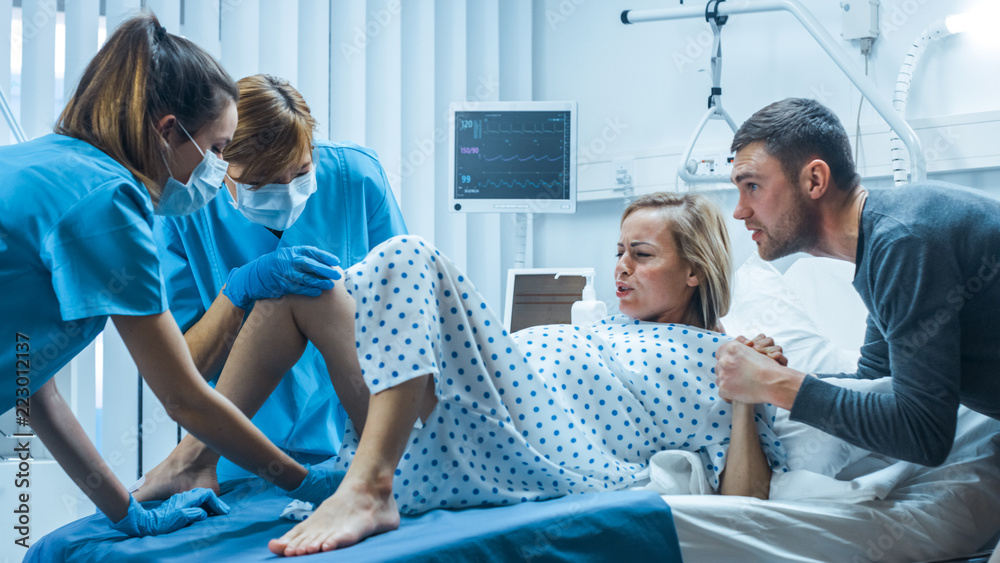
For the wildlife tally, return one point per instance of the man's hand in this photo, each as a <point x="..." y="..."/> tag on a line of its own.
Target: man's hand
<point x="745" y="375"/>
<point x="765" y="345"/>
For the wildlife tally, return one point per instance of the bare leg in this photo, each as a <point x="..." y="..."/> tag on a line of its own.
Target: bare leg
<point x="363" y="505"/>
<point x="270" y="342"/>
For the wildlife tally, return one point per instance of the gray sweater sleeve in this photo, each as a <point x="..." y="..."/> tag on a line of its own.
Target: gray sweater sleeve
<point x="914" y="336"/>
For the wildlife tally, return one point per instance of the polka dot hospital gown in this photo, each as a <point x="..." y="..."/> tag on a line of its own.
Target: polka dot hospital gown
<point x="541" y="413"/>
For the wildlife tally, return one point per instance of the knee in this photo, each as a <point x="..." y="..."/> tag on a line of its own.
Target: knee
<point x="404" y="245"/>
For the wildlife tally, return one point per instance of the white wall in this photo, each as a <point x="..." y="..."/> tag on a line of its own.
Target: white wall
<point x="642" y="89"/>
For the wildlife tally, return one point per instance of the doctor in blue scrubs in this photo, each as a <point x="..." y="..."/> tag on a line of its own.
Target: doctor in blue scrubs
<point x="293" y="205"/>
<point x="140" y="137"/>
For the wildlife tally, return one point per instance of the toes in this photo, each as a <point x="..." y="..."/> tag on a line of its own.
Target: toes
<point x="277" y="547"/>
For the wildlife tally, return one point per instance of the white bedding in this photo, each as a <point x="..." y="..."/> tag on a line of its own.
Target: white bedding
<point x="933" y="513"/>
<point x="877" y="508"/>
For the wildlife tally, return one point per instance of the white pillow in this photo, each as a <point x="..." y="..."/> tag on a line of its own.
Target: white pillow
<point x="764" y="303"/>
<point x="825" y="288"/>
<point x="812" y="449"/>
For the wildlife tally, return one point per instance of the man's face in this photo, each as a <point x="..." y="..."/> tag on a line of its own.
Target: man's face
<point x="778" y="212"/>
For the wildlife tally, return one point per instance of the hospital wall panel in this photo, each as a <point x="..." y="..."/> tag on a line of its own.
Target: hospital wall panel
<point x="314" y="61"/>
<point x="383" y="85"/>
<point x="348" y="43"/>
<point x="38" y="32"/>
<point x="201" y="25"/>
<point x="7" y="21"/>
<point x="82" y="25"/>
<point x="420" y="138"/>
<point x="117" y="11"/>
<point x="169" y="12"/>
<point x="276" y="39"/>
<point x="240" y="46"/>
<point x="450" y="69"/>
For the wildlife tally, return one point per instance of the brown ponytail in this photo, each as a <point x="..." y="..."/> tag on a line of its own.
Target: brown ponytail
<point x="141" y="74"/>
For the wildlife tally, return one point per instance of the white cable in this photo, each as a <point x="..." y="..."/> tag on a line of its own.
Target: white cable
<point x="902" y="92"/>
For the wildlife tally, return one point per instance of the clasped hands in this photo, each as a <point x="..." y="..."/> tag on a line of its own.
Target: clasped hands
<point x="745" y="368"/>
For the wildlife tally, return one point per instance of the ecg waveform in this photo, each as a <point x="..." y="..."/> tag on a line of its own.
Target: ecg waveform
<point x="530" y="128"/>
<point x="521" y="184"/>
<point x="517" y="157"/>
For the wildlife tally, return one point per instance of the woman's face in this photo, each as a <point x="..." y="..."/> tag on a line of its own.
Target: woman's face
<point x="303" y="167"/>
<point x="651" y="281"/>
<point x="184" y="156"/>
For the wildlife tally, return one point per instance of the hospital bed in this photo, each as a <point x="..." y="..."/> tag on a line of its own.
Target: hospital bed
<point x="839" y="503"/>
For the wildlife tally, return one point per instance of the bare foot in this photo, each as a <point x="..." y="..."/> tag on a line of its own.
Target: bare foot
<point x="177" y="474"/>
<point x="356" y="511"/>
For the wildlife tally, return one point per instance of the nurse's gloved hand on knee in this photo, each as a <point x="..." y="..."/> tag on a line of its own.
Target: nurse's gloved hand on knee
<point x="319" y="484"/>
<point x="303" y="270"/>
<point x="175" y="513"/>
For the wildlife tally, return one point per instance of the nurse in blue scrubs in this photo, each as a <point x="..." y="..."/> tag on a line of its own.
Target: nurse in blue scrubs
<point x="142" y="136"/>
<point x="293" y="204"/>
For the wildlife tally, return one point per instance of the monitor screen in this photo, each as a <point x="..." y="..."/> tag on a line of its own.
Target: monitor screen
<point x="513" y="157"/>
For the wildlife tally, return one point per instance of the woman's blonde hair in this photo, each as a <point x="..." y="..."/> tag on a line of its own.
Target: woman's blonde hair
<point x="141" y="74"/>
<point x="274" y="132"/>
<point x="702" y="241"/>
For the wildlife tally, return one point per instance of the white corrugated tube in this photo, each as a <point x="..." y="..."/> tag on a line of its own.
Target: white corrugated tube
<point x="900" y="162"/>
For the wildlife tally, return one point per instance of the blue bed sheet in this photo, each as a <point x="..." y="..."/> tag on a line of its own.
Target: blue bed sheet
<point x="623" y="525"/>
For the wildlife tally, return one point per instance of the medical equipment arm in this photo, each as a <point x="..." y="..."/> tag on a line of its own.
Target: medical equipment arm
<point x="918" y="169"/>
<point x="747" y="472"/>
<point x="159" y="351"/>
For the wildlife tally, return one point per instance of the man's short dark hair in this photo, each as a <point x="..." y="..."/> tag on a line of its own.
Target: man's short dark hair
<point x="796" y="130"/>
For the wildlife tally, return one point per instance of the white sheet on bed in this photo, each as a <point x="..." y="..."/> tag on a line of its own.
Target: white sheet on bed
<point x="935" y="512"/>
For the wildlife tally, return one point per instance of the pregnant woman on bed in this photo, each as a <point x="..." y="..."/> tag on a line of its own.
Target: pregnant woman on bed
<point x="462" y="413"/>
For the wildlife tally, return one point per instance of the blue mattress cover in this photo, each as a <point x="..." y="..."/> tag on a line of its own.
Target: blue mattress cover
<point x="622" y="525"/>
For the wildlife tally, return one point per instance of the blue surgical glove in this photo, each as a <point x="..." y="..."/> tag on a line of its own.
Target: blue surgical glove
<point x="304" y="270"/>
<point x="318" y="485"/>
<point x="177" y="512"/>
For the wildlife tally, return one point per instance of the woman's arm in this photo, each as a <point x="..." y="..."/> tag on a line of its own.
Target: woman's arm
<point x="53" y="422"/>
<point x="746" y="464"/>
<point x="161" y="354"/>
<point x="211" y="338"/>
<point x="747" y="472"/>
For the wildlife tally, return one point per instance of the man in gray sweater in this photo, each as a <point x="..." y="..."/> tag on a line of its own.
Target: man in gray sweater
<point x="927" y="259"/>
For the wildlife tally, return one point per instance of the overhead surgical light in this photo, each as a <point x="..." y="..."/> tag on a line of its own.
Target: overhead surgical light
<point x="979" y="20"/>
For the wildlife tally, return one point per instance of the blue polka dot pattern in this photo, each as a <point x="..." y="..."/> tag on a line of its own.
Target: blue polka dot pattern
<point x="544" y="412"/>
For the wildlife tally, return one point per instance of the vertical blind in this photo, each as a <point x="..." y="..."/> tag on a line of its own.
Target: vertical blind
<point x="380" y="73"/>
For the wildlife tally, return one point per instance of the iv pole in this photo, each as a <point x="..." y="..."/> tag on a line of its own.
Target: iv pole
<point x="715" y="109"/>
<point x="918" y="170"/>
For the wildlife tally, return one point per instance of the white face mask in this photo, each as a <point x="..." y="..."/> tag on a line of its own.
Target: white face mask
<point x="276" y="206"/>
<point x="204" y="184"/>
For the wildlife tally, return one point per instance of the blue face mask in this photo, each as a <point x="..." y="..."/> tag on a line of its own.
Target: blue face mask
<point x="276" y="206"/>
<point x="204" y="183"/>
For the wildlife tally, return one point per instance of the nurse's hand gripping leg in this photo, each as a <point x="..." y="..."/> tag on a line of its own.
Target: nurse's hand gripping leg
<point x="160" y="353"/>
<point x="271" y="341"/>
<point x="363" y="505"/>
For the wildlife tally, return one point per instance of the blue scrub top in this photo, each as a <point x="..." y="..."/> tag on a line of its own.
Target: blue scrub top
<point x="352" y="211"/>
<point x="76" y="245"/>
